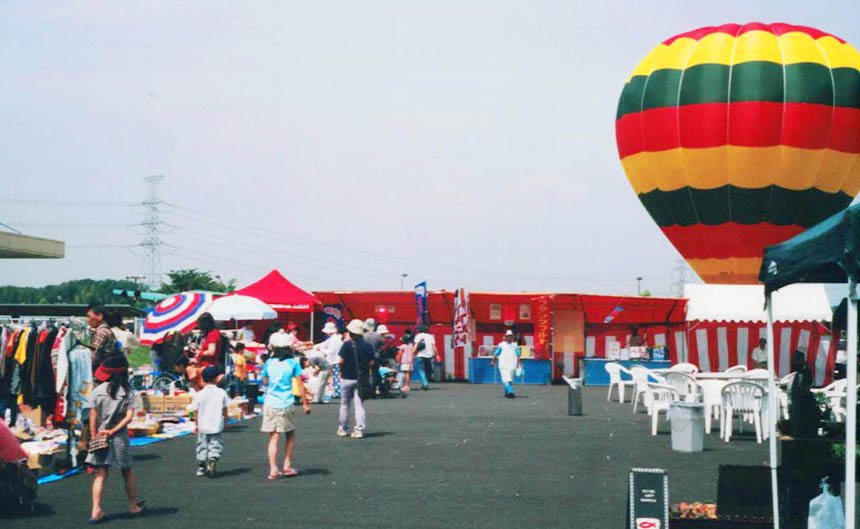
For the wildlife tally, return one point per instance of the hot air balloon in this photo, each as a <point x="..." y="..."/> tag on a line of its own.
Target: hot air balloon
<point x="737" y="137"/>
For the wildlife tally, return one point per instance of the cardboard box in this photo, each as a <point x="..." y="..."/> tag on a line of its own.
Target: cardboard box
<point x="42" y="464"/>
<point x="156" y="404"/>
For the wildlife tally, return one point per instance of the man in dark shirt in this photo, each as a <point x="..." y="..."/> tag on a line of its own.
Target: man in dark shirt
<point x="356" y="357"/>
<point x="103" y="341"/>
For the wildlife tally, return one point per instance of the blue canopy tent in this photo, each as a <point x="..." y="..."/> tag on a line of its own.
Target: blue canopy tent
<point x="825" y="253"/>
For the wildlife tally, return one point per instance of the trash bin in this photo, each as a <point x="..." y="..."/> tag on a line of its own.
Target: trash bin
<point x="574" y="396"/>
<point x="688" y="426"/>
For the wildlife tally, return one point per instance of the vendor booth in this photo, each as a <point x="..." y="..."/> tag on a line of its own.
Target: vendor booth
<point x="289" y="301"/>
<point x="397" y="310"/>
<point x="589" y="330"/>
<point x="725" y="323"/>
<point x="529" y="316"/>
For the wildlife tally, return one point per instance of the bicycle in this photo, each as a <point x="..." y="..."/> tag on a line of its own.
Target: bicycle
<point x="160" y="381"/>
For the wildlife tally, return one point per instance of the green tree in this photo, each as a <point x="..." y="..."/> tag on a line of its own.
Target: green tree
<point x="646" y="294"/>
<point x="193" y="279"/>
<point x="77" y="291"/>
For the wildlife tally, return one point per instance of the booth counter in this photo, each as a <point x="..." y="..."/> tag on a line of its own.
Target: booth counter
<point x="534" y="371"/>
<point x="596" y="375"/>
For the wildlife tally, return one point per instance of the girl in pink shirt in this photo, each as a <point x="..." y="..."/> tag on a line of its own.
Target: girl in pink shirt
<point x="405" y="355"/>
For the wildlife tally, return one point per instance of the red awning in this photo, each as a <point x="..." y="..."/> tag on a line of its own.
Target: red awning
<point x="634" y="310"/>
<point x="280" y="294"/>
<point x="400" y="305"/>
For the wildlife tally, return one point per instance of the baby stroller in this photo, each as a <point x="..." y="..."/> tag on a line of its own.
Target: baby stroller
<point x="389" y="385"/>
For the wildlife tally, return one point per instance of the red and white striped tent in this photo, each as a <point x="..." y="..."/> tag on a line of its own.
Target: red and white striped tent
<point x="725" y="322"/>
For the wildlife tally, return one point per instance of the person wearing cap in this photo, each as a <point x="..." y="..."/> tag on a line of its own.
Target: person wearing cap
<point x="112" y="404"/>
<point x="508" y="355"/>
<point x="356" y="358"/>
<point x="210" y="415"/>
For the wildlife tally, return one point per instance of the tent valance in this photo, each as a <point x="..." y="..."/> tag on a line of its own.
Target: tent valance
<point x="745" y="303"/>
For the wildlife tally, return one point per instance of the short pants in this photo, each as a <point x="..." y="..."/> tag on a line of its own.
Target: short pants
<point x="278" y="420"/>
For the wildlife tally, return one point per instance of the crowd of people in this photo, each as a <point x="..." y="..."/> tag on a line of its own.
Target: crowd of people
<point x="353" y="364"/>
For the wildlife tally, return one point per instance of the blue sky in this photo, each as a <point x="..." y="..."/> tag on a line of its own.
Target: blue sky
<point x="345" y="143"/>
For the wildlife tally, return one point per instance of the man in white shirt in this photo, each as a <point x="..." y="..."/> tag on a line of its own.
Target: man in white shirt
<point x="247" y="334"/>
<point x="508" y="355"/>
<point x="425" y="347"/>
<point x="759" y="354"/>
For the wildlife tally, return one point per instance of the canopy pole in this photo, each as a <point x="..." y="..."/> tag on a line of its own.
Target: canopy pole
<point x="772" y="411"/>
<point x="312" y="326"/>
<point x="851" y="411"/>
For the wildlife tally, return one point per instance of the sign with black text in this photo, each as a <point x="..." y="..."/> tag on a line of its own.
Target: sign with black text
<point x="649" y="499"/>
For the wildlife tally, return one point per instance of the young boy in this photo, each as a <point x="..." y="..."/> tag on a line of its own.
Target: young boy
<point x="210" y="416"/>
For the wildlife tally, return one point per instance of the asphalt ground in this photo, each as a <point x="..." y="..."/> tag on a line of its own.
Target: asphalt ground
<point x="458" y="455"/>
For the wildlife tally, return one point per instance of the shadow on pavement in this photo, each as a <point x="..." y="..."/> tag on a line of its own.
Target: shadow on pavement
<point x="148" y="512"/>
<point x="369" y="435"/>
<point x="232" y="472"/>
<point x="314" y="471"/>
<point x="145" y="457"/>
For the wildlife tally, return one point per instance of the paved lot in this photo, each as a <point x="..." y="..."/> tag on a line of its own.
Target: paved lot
<point x="456" y="456"/>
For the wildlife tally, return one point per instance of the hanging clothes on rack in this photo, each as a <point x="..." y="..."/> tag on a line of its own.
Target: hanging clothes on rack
<point x="60" y="364"/>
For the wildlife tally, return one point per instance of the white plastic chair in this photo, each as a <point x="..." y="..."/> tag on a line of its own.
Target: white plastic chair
<point x="687" y="387"/>
<point x="757" y="373"/>
<point x="683" y="367"/>
<point x="641" y="380"/>
<point x="783" y="388"/>
<point x="662" y="395"/>
<point x="737" y="369"/>
<point x="615" y="369"/>
<point x="712" y="397"/>
<point x="741" y="398"/>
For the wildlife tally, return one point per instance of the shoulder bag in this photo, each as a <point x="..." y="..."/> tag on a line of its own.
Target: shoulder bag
<point x="364" y="389"/>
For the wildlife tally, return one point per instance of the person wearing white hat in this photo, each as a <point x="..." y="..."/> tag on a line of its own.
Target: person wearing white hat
<point x="509" y="358"/>
<point x="330" y="347"/>
<point x="356" y="359"/>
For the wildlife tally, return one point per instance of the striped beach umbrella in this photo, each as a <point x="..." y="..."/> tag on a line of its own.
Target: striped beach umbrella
<point x="176" y="313"/>
<point x="737" y="137"/>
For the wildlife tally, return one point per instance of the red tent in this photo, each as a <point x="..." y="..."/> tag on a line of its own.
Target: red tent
<point x="283" y="296"/>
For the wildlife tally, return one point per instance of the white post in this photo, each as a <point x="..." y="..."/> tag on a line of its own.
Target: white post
<point x="851" y="411"/>
<point x="312" y="327"/>
<point x="772" y="411"/>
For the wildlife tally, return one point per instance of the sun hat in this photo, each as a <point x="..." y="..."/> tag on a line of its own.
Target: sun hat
<point x="356" y="327"/>
<point x="382" y="329"/>
<point x="329" y="328"/>
<point x="369" y="324"/>
<point x="112" y="365"/>
<point x="509" y="333"/>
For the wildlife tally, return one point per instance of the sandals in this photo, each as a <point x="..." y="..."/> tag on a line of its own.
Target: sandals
<point x="290" y="472"/>
<point x="275" y="476"/>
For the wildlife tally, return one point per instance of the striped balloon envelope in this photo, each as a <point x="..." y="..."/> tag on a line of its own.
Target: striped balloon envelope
<point x="737" y="137"/>
<point x="176" y="313"/>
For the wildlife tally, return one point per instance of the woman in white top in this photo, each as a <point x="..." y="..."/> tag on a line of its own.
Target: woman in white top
<point x="125" y="337"/>
<point x="331" y="346"/>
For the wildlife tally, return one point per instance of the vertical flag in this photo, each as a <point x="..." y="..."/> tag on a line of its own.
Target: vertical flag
<point x="462" y="344"/>
<point x="421" y="304"/>
<point x="333" y="313"/>
<point x="543" y="326"/>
